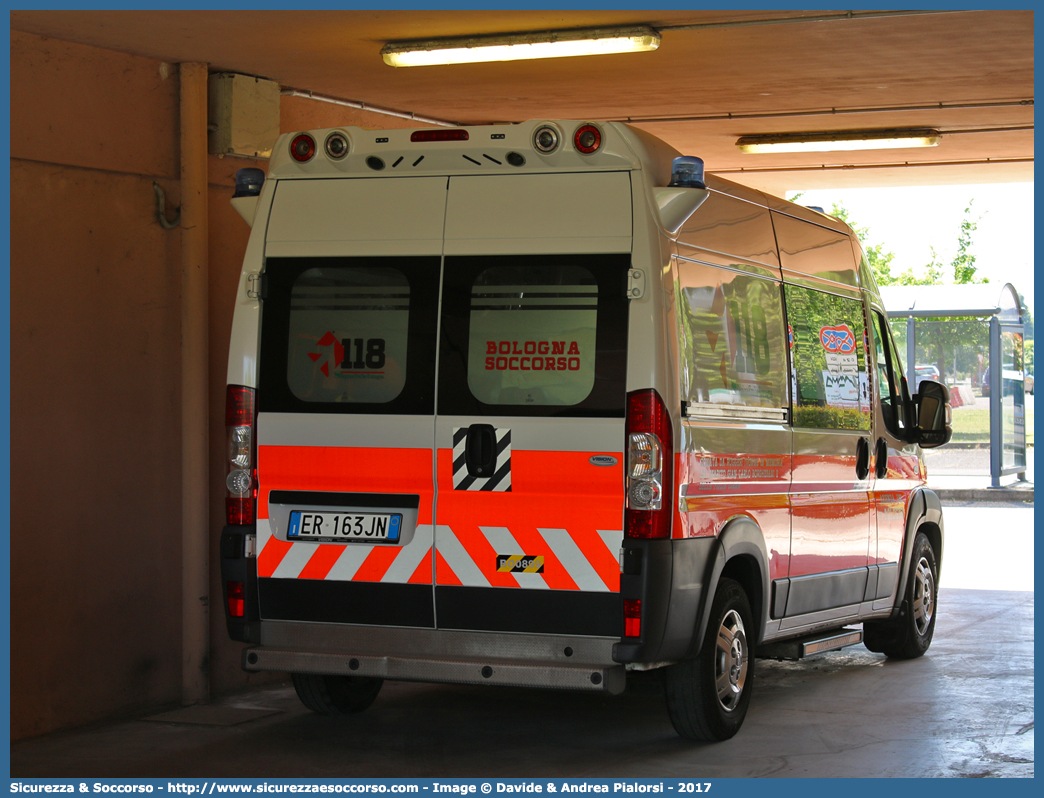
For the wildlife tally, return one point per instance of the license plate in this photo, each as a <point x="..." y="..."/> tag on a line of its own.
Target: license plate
<point x="334" y="527"/>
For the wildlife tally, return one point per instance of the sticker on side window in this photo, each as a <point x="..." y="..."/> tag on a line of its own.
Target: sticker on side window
<point x="532" y="336"/>
<point x="348" y="335"/>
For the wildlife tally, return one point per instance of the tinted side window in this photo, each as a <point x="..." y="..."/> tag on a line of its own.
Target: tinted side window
<point x="732" y="335"/>
<point x="889" y="368"/>
<point x="831" y="385"/>
<point x="348" y="335"/>
<point x="534" y="335"/>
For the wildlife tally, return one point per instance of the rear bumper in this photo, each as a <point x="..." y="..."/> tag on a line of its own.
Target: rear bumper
<point x="436" y="655"/>
<point x="670" y="577"/>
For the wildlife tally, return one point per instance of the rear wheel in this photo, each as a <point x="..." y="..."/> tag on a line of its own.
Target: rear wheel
<point x="707" y="697"/>
<point x="909" y="634"/>
<point x="336" y="695"/>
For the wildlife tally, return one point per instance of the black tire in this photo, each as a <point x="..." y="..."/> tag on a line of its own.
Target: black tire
<point x="336" y="695"/>
<point x="707" y="697"/>
<point x="908" y="635"/>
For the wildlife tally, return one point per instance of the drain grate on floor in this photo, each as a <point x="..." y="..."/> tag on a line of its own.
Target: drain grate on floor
<point x="204" y="715"/>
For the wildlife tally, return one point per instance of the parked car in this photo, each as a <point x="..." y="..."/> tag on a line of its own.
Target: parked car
<point x="1008" y="374"/>
<point x="924" y="373"/>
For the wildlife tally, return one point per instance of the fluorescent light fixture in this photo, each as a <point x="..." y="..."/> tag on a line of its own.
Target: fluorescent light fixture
<point x="521" y="46"/>
<point x="841" y="140"/>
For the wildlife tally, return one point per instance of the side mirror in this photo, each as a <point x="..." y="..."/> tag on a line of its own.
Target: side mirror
<point x="933" y="415"/>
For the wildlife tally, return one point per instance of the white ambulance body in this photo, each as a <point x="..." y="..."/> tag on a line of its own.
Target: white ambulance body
<point x="507" y="407"/>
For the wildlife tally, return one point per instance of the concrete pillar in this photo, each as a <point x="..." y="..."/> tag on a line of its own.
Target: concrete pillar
<point x="195" y="497"/>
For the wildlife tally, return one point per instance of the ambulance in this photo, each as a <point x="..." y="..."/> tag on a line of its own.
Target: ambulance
<point x="546" y="405"/>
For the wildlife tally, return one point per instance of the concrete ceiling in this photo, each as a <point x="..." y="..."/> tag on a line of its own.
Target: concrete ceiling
<point x="717" y="75"/>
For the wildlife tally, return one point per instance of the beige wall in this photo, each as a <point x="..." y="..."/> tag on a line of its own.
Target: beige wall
<point x="95" y="382"/>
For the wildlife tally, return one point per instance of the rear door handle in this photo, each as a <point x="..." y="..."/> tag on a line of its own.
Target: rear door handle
<point x="480" y="450"/>
<point x="881" y="459"/>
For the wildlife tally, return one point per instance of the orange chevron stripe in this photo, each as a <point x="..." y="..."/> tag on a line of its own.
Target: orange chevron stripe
<point x="271" y="555"/>
<point x="482" y="554"/>
<point x="422" y="576"/>
<point x="555" y="575"/>
<point x="556" y="490"/>
<point x="376" y="564"/>
<point x="443" y="573"/>
<point x="320" y="563"/>
<point x="605" y="562"/>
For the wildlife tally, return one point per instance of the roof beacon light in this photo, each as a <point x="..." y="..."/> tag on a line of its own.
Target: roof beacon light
<point x="249" y="182"/>
<point x="687" y="172"/>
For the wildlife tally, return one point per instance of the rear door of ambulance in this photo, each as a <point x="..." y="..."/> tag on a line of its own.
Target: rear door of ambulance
<point x="346" y="401"/>
<point x="531" y="403"/>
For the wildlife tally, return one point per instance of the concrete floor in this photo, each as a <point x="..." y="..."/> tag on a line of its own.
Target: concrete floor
<point x="965" y="709"/>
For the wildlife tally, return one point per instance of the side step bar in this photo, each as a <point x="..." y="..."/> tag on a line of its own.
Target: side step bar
<point x="801" y="647"/>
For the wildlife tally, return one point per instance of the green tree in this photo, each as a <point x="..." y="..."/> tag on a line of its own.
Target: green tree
<point x="953" y="343"/>
<point x="962" y="267"/>
<point x="880" y="261"/>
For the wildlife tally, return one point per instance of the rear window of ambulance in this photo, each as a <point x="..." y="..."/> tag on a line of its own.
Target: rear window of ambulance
<point x="349" y="335"/>
<point x="534" y="335"/>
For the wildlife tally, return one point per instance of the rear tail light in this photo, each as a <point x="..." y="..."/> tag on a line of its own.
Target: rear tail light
<point x="632" y="616"/>
<point x="236" y="593"/>
<point x="650" y="466"/>
<point x="302" y="148"/>
<point x="587" y="139"/>
<point x="241" y="478"/>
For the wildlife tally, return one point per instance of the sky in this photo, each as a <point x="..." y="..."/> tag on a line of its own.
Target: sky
<point x="909" y="221"/>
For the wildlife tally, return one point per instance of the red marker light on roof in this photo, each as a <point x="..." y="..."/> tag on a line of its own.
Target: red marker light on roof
<point x="302" y="148"/>
<point x="587" y="139"/>
<point x="439" y="135"/>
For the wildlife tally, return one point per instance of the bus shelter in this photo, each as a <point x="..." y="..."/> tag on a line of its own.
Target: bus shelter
<point x="953" y="331"/>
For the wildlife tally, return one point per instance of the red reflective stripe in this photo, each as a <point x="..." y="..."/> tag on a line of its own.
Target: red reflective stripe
<point x="345" y="469"/>
<point x="422" y="575"/>
<point x="271" y="555"/>
<point x="320" y="563"/>
<point x="443" y="573"/>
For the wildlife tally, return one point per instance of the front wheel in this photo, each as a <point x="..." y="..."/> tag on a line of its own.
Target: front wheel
<point x="909" y="635"/>
<point x="707" y="697"/>
<point x="336" y="695"/>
